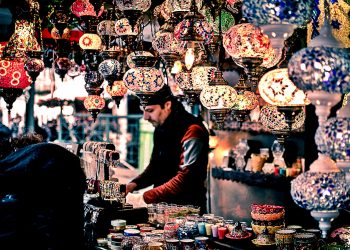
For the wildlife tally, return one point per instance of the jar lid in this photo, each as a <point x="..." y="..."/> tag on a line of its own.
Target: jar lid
<point x="131" y="232"/>
<point x="118" y="223"/>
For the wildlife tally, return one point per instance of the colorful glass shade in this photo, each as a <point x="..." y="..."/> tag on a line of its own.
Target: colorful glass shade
<point x="320" y="191"/>
<point x="165" y="42"/>
<point x="274" y="121"/>
<point x="276" y="88"/>
<point x="130" y="58"/>
<point x="90" y="41"/>
<point x="55" y="34"/>
<point x="123" y="28"/>
<point x="271" y="58"/>
<point x="245" y="40"/>
<point x="34" y="65"/>
<point x="142" y="5"/>
<point x="201" y="76"/>
<point x="227" y="20"/>
<point x="83" y="8"/>
<point x="143" y="80"/>
<point x="333" y="138"/>
<point x="118" y="89"/>
<point x="93" y="78"/>
<point x="22" y="40"/>
<point x="182" y="5"/>
<point x="106" y="28"/>
<point x="296" y="12"/>
<point x="321" y="68"/>
<point x="13" y="75"/>
<point x="110" y="69"/>
<point x="245" y="100"/>
<point x="94" y="102"/>
<point x="201" y="28"/>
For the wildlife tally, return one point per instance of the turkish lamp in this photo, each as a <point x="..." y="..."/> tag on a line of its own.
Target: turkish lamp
<point x="218" y="97"/>
<point x="90" y="41"/>
<point x="133" y="9"/>
<point x="62" y="65"/>
<point x="333" y="139"/>
<point x="117" y="91"/>
<point x="323" y="190"/>
<point x="278" y="19"/>
<point x="94" y="104"/>
<point x="34" y="64"/>
<point x="322" y="70"/>
<point x="110" y="69"/>
<point x="144" y="79"/>
<point x="93" y="81"/>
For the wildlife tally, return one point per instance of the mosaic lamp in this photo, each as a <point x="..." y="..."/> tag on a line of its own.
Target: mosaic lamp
<point x="106" y="30"/>
<point x="168" y="47"/>
<point x="245" y="102"/>
<point x="143" y="79"/>
<point x="62" y="65"/>
<point x="333" y="139"/>
<point x="126" y="32"/>
<point x="94" y="104"/>
<point x="133" y="9"/>
<point x="218" y="97"/>
<point x="277" y="89"/>
<point x="117" y="91"/>
<point x="275" y="121"/>
<point x="322" y="69"/>
<point x="192" y="82"/>
<point x="247" y="46"/>
<point x="323" y="190"/>
<point x="278" y="19"/>
<point x="110" y="68"/>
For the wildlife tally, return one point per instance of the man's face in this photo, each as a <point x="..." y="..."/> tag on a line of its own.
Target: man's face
<point x="155" y="114"/>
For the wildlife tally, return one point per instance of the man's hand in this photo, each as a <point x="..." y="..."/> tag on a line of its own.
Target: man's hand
<point x="130" y="187"/>
<point x="136" y="200"/>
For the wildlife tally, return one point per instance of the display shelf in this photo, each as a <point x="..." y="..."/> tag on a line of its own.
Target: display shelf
<point x="253" y="179"/>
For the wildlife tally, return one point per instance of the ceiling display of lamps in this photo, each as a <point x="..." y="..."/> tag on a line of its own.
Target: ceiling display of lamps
<point x="133" y="9"/>
<point x="247" y="46"/>
<point x="275" y="121"/>
<point x="218" y="97"/>
<point x="143" y="79"/>
<point x="322" y="69"/>
<point x="245" y="102"/>
<point x="278" y="19"/>
<point x="117" y="91"/>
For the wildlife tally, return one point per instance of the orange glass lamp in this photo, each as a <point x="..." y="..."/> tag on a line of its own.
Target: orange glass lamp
<point x="117" y="91"/>
<point x="94" y="104"/>
<point x="90" y="41"/>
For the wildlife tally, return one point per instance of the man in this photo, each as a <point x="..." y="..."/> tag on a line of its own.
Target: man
<point x="178" y="165"/>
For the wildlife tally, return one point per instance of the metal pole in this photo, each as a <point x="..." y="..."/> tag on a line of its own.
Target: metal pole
<point x="29" y="115"/>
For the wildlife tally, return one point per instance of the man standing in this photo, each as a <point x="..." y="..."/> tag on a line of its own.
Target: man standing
<point x="178" y="165"/>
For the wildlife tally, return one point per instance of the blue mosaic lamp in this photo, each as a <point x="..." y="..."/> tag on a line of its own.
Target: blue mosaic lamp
<point x="323" y="70"/>
<point x="278" y="18"/>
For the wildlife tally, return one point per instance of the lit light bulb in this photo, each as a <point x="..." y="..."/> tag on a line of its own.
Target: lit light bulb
<point x="176" y="68"/>
<point x="189" y="58"/>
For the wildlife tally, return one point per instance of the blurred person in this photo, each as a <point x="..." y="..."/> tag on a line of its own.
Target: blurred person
<point x="178" y="164"/>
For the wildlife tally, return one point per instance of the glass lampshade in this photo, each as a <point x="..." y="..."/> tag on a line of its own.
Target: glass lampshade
<point x="90" y="41"/>
<point x="34" y="65"/>
<point x="320" y="68"/>
<point x="246" y="100"/>
<point x="194" y="30"/>
<point x="94" y="78"/>
<point x="182" y="5"/>
<point x="271" y="58"/>
<point x="142" y="5"/>
<point x="62" y="65"/>
<point x="118" y="89"/>
<point x="83" y="8"/>
<point x="201" y="76"/>
<point x="227" y="20"/>
<point x="13" y="75"/>
<point x="143" y="80"/>
<point x="22" y="40"/>
<point x="106" y="28"/>
<point x="279" y="18"/>
<point x="275" y="121"/>
<point x="165" y="42"/>
<point x="334" y="138"/>
<point x="245" y="40"/>
<point x="276" y="88"/>
<point x="55" y="34"/>
<point x="218" y="97"/>
<point x="123" y="28"/>
<point x="110" y="69"/>
<point x="94" y="104"/>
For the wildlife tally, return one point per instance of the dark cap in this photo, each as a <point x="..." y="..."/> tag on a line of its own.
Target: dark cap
<point x="161" y="96"/>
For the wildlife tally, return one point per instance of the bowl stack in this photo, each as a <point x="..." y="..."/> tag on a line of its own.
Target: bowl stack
<point x="267" y="216"/>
